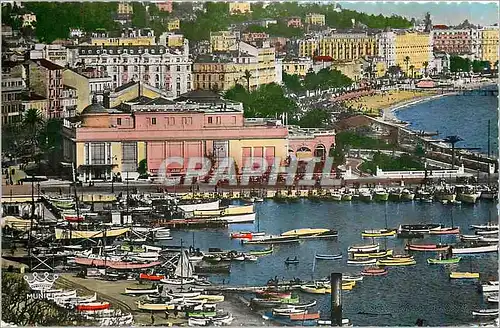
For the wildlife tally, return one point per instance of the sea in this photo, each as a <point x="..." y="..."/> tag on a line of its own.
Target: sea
<point x="405" y="294"/>
<point x="464" y="115"/>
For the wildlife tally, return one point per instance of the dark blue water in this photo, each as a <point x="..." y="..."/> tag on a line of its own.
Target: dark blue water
<point x="466" y="116"/>
<point x="408" y="293"/>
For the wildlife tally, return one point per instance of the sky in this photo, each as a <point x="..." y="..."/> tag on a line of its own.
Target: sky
<point x="442" y="12"/>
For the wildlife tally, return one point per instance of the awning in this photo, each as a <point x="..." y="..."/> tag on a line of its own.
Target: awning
<point x="97" y="166"/>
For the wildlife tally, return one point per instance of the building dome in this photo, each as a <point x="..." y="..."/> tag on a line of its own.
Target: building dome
<point x="94" y="108"/>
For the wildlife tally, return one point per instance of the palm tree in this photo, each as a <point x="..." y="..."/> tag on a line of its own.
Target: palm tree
<point x="412" y="68"/>
<point x="434" y="70"/>
<point x="33" y="123"/>
<point x="425" y="64"/>
<point x="407" y="62"/>
<point x="452" y="140"/>
<point x="247" y="77"/>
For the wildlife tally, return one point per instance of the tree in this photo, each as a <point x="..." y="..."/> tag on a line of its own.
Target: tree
<point x="21" y="310"/>
<point x="247" y="77"/>
<point x="407" y="62"/>
<point x="425" y="64"/>
<point x="33" y="123"/>
<point x="459" y="64"/>
<point x="292" y="82"/>
<point x="394" y="70"/>
<point x="139" y="15"/>
<point x="412" y="70"/>
<point x="142" y="169"/>
<point x="316" y="118"/>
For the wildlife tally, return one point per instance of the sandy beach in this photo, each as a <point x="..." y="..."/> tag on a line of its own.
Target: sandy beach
<point x="372" y="105"/>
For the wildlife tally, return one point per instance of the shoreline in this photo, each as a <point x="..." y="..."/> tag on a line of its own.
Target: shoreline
<point x="388" y="112"/>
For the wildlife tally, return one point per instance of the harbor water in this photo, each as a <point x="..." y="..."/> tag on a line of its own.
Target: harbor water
<point x="400" y="298"/>
<point x="466" y="116"/>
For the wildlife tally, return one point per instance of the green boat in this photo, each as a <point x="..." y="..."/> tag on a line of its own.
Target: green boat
<point x="262" y="252"/>
<point x="444" y="261"/>
<point x="380" y="196"/>
<point x="347" y="197"/>
<point x="132" y="248"/>
<point x="207" y="314"/>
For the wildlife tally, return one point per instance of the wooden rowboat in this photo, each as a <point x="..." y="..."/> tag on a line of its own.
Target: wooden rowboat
<point x="95" y="306"/>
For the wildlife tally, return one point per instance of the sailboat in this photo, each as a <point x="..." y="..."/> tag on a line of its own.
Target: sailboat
<point x="379" y="233"/>
<point x="183" y="272"/>
<point x="446" y="230"/>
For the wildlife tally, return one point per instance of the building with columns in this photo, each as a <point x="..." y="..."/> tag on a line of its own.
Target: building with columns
<point x="339" y="46"/>
<point x="109" y="141"/>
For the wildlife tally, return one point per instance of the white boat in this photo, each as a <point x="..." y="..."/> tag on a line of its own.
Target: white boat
<point x="62" y="295"/>
<point x="490" y="226"/>
<point x="230" y="219"/>
<point x="345" y="322"/>
<point x="493" y="299"/>
<point x="491" y="286"/>
<point x="364" y="248"/>
<point x="141" y="291"/>
<point x="489" y="239"/>
<point x="362" y="261"/>
<point x="487" y="232"/>
<point x="185" y="294"/>
<point x="288" y="311"/>
<point x="469" y="237"/>
<point x="177" y="281"/>
<point x="351" y="278"/>
<point x="474" y="250"/>
<point x="212" y="205"/>
<point x="486" y="312"/>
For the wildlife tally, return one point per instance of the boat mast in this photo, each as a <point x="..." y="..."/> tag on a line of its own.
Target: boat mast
<point x="182" y="265"/>
<point x="258" y="220"/>
<point x="489" y="137"/>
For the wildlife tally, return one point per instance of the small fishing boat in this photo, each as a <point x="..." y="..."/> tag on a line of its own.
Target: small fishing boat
<point x="378" y="233"/>
<point x="288" y="311"/>
<point x="304" y="316"/>
<point x="374" y="272"/>
<point x="94" y="306"/>
<point x="155" y="306"/>
<point x="178" y="281"/>
<point x="364" y="248"/>
<point x="302" y="306"/>
<point x="464" y="275"/>
<point x="384" y="262"/>
<point x="488" y="226"/>
<point x="469" y="237"/>
<point x="361" y="261"/>
<point x="184" y="294"/>
<point x="266" y="251"/>
<point x="272" y="240"/>
<point x="348" y="278"/>
<point x="445" y="231"/>
<point x="154" y="277"/>
<point x="141" y="291"/>
<point x="291" y="261"/>
<point x="246" y="234"/>
<point x="486" y="312"/>
<point x="491" y="286"/>
<point x="492" y="299"/>
<point x="248" y="257"/>
<point x="475" y="249"/>
<point x="210" y="298"/>
<point x="345" y="322"/>
<point x="271" y="294"/>
<point x="488" y="239"/>
<point x="424" y="228"/>
<point x="304" y="232"/>
<point x="452" y="260"/>
<point x="382" y="253"/>
<point x="427" y="247"/>
<point x="202" y="314"/>
<point x="328" y="257"/>
<point x="487" y="232"/>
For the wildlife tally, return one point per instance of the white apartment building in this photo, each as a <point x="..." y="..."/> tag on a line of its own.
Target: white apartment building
<point x="68" y="101"/>
<point x="386" y="42"/>
<point x="55" y="53"/>
<point x="162" y="67"/>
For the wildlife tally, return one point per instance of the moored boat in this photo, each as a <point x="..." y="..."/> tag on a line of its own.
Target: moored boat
<point x="364" y="248"/>
<point x="304" y="316"/>
<point x="328" y="257"/>
<point x="374" y="233"/>
<point x="380" y="195"/>
<point x="384" y="262"/>
<point x="362" y="261"/>
<point x="246" y="234"/>
<point x="266" y="251"/>
<point x="141" y="291"/>
<point x="464" y="275"/>
<point x="491" y="286"/>
<point x="382" y="253"/>
<point x="475" y="249"/>
<point x="427" y="247"/>
<point x="94" y="306"/>
<point x="154" y="277"/>
<point x="445" y="231"/>
<point x="272" y="240"/>
<point x="452" y="260"/>
<point x="374" y="272"/>
<point x="486" y="312"/>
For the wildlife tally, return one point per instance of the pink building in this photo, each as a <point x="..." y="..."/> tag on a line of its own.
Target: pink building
<point x="165" y="6"/>
<point x="294" y="22"/>
<point x="455" y="41"/>
<point x="255" y="36"/>
<point x="197" y="124"/>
